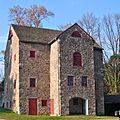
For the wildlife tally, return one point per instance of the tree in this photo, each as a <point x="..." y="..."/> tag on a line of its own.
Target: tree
<point x="107" y="32"/>
<point x="111" y="27"/>
<point x="90" y="24"/>
<point x="18" y="15"/>
<point x="32" y="16"/>
<point x="64" y="27"/>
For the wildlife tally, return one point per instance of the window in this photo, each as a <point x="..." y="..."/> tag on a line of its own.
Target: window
<point x="15" y="57"/>
<point x="44" y="102"/>
<point x="75" y="101"/>
<point x="10" y="35"/>
<point x="14" y="84"/>
<point x="84" y="81"/>
<point x="32" y="82"/>
<point x="77" y="59"/>
<point x="32" y="54"/>
<point x="70" y="80"/>
<point x="10" y="104"/>
<point x="76" y="34"/>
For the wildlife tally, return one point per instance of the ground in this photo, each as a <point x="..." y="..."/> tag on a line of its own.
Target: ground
<point x="9" y="115"/>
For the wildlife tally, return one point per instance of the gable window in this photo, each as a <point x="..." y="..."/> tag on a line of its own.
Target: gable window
<point x="32" y="54"/>
<point x="76" y="34"/>
<point x="70" y="81"/>
<point x="84" y="81"/>
<point x="44" y="102"/>
<point x="32" y="82"/>
<point x="77" y="59"/>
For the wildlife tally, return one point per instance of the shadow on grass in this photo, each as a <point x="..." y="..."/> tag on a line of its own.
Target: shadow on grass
<point x="3" y="110"/>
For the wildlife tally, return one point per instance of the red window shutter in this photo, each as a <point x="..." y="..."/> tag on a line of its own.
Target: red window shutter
<point x="76" y="34"/>
<point x="32" y="82"/>
<point x="77" y="59"/>
<point x="44" y="102"/>
<point x="32" y="54"/>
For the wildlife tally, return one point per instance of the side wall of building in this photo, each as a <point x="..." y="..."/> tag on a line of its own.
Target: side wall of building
<point x="68" y="46"/>
<point x="54" y="79"/>
<point x="11" y="86"/>
<point x="98" y="61"/>
<point x="38" y="68"/>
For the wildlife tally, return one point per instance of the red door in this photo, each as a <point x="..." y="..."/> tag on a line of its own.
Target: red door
<point x="51" y="106"/>
<point x="32" y="106"/>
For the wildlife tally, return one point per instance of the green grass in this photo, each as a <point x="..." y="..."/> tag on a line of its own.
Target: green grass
<point x="9" y="115"/>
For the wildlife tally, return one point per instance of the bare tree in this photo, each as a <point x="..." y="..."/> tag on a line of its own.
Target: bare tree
<point x="18" y="15"/>
<point x="111" y="25"/>
<point x="90" y="24"/>
<point x="32" y="16"/>
<point x="64" y="27"/>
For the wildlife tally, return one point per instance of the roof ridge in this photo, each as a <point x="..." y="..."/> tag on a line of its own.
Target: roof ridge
<point x="36" y="27"/>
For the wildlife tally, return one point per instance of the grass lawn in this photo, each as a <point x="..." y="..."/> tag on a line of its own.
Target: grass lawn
<point x="9" y="115"/>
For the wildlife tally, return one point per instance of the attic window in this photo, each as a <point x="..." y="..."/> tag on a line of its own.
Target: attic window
<point x="10" y="35"/>
<point x="76" y="34"/>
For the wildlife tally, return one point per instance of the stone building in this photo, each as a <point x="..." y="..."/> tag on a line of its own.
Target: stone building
<point x="51" y="72"/>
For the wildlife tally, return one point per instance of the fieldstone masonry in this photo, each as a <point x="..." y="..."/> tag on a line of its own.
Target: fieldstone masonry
<point x="52" y="65"/>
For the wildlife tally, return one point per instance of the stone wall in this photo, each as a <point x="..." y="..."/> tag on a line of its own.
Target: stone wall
<point x="69" y="45"/>
<point x="12" y="73"/>
<point x="38" y="68"/>
<point x="98" y="60"/>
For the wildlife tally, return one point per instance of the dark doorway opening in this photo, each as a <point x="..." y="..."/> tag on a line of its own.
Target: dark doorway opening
<point x="77" y="106"/>
<point x="110" y="108"/>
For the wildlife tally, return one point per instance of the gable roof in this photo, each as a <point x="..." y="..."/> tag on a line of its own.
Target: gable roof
<point x="42" y="35"/>
<point x="32" y="34"/>
<point x="96" y="45"/>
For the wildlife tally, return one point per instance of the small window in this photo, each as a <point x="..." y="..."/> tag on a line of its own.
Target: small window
<point x="32" y="54"/>
<point x="75" y="101"/>
<point x="44" y="103"/>
<point x="10" y="36"/>
<point x="32" y="82"/>
<point x="76" y="34"/>
<point x="10" y="104"/>
<point x="77" y="59"/>
<point x="84" y="81"/>
<point x="70" y="80"/>
<point x="14" y="84"/>
<point x="15" y="57"/>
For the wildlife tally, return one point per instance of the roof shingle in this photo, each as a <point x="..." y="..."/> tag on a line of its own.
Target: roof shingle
<point x="32" y="34"/>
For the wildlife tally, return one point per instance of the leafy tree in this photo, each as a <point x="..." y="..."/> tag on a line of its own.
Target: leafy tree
<point x="32" y="16"/>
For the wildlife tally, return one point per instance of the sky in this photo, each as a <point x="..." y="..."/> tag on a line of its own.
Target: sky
<point x="66" y="11"/>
